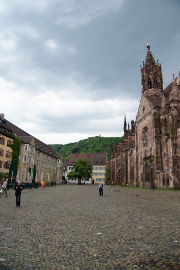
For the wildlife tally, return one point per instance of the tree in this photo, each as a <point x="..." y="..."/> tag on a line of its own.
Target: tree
<point x="16" y="147"/>
<point x="82" y="169"/>
<point x="34" y="175"/>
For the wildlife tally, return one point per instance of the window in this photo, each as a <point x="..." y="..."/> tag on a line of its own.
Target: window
<point x="6" y="165"/>
<point x="8" y="154"/>
<point x="31" y="148"/>
<point x="2" y="141"/>
<point x="145" y="136"/>
<point x="9" y="142"/>
<point x="1" y="152"/>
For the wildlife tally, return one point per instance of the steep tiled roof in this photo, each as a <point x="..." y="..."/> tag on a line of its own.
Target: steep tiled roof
<point x="26" y="138"/>
<point x="94" y="159"/>
<point x="167" y="90"/>
<point x="4" y="130"/>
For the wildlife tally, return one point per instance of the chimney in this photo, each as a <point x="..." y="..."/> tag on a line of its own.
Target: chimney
<point x="2" y="116"/>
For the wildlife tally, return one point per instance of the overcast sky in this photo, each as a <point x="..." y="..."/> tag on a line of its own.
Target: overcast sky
<point x="69" y="69"/>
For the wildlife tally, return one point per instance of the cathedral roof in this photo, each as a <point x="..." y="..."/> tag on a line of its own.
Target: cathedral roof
<point x="168" y="90"/>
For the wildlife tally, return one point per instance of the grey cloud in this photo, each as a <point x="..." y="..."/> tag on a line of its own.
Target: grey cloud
<point x="100" y="46"/>
<point x="77" y="124"/>
<point x="109" y="48"/>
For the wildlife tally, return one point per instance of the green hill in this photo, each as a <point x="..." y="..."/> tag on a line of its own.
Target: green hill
<point x="91" y="145"/>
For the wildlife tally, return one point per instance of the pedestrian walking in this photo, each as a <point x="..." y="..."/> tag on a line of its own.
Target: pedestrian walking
<point x="18" y="189"/>
<point x="4" y="187"/>
<point x="100" y="189"/>
<point x="42" y="183"/>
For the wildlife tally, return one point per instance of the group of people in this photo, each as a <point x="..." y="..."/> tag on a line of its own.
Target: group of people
<point x="18" y="189"/>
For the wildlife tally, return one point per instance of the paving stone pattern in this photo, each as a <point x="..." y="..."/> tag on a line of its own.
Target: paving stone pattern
<point x="70" y="227"/>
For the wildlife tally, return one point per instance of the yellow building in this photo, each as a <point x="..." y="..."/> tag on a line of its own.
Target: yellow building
<point x="98" y="174"/>
<point x="5" y="150"/>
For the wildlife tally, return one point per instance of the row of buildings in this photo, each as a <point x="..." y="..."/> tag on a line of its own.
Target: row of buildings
<point x="37" y="160"/>
<point x="149" y="155"/>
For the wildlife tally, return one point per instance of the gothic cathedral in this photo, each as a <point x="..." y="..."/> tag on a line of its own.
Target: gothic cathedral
<point x="149" y="155"/>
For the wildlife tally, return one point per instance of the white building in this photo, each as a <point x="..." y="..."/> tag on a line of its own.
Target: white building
<point x="98" y="162"/>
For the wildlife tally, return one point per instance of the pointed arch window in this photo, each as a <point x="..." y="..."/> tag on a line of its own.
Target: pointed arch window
<point x="145" y="137"/>
<point x="149" y="83"/>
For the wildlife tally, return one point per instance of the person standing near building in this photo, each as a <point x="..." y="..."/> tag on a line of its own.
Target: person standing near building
<point x="18" y="189"/>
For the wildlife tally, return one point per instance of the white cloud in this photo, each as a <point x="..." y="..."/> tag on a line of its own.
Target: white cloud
<point x="43" y="112"/>
<point x="8" y="42"/>
<point x="54" y="47"/>
<point x="59" y="138"/>
<point x="3" y="7"/>
<point x="51" y="44"/>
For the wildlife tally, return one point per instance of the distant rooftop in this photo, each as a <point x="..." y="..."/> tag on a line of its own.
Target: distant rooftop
<point x="94" y="159"/>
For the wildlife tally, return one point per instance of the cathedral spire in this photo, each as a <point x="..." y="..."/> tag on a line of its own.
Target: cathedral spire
<point x="125" y="124"/>
<point x="149" y="57"/>
<point x="151" y="73"/>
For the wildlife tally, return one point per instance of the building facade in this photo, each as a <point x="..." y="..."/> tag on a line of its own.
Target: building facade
<point x="37" y="160"/>
<point x="6" y="140"/>
<point x="149" y="155"/>
<point x="98" y="162"/>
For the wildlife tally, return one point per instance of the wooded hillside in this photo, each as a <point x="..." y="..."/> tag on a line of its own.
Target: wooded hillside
<point x="91" y="145"/>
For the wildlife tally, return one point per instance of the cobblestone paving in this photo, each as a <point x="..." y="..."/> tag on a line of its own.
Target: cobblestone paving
<point x="71" y="228"/>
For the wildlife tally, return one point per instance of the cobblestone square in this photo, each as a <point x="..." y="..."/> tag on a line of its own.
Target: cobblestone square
<point x="70" y="227"/>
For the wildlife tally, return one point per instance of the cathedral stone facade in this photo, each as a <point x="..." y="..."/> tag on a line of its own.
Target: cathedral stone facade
<point x="149" y="155"/>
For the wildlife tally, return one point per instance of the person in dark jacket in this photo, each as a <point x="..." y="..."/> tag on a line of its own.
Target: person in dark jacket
<point x="100" y="189"/>
<point x="18" y="189"/>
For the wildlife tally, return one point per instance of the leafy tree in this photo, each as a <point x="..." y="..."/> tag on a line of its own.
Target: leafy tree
<point x="72" y="175"/>
<point x="82" y="169"/>
<point x="34" y="175"/>
<point x="16" y="147"/>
